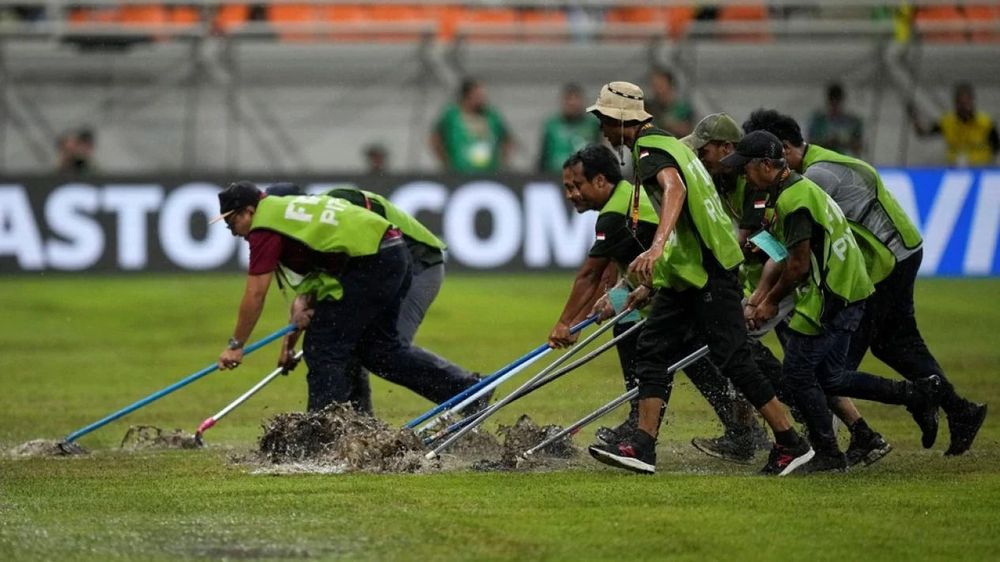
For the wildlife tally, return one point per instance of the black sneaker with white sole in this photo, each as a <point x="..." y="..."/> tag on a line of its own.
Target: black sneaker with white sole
<point x="637" y="454"/>
<point x="786" y="460"/>
<point x="867" y="447"/>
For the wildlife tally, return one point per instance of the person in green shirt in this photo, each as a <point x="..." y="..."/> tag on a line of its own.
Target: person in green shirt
<point x="893" y="251"/>
<point x="690" y="265"/>
<point x="354" y="268"/>
<point x="567" y="132"/>
<point x="471" y="137"/>
<point x="714" y="138"/>
<point x="670" y="112"/>
<point x="834" y="127"/>
<point x="826" y="271"/>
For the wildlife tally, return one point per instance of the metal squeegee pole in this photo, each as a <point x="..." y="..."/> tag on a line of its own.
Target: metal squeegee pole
<point x="447" y="404"/>
<point x="462" y="427"/>
<point x="574" y="427"/>
<point x="177" y="385"/>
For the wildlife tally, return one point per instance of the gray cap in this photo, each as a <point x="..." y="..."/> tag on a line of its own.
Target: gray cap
<point x="714" y="127"/>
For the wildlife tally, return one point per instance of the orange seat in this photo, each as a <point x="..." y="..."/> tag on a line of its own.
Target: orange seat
<point x="745" y="13"/>
<point x="548" y="20"/>
<point x="634" y="15"/>
<point x="983" y="14"/>
<point x="142" y="15"/>
<point x="229" y="16"/>
<point x="678" y="19"/>
<point x="295" y="13"/>
<point x="946" y="15"/>
<point x="184" y="14"/>
<point x="400" y="13"/>
<point x="346" y="14"/>
<point x="544" y="16"/>
<point x="449" y="19"/>
<point x="93" y="15"/>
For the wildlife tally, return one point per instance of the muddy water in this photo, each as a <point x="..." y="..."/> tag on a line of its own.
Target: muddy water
<point x="151" y="437"/>
<point x="339" y="436"/>
<point x="338" y="439"/>
<point x="39" y="448"/>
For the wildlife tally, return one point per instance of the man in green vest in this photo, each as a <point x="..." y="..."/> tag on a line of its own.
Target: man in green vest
<point x="691" y="264"/>
<point x="825" y="270"/>
<point x="892" y="248"/>
<point x="354" y="266"/>
<point x="593" y="182"/>
<point x="713" y="139"/>
<point x="427" y="258"/>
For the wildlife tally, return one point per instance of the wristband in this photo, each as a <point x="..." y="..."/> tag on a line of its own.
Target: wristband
<point x="234" y="344"/>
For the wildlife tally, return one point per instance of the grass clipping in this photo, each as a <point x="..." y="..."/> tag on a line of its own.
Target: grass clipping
<point x="338" y="436"/>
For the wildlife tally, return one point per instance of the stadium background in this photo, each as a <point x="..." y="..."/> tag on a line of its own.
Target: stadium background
<point x="185" y="97"/>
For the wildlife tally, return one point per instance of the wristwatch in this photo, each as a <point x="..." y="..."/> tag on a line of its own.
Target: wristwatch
<point x="235" y="344"/>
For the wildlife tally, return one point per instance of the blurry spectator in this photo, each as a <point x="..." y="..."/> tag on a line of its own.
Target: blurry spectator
<point x="568" y="131"/>
<point x="670" y="113"/>
<point x="970" y="136"/>
<point x="376" y="159"/>
<point x="471" y="136"/>
<point x="835" y="128"/>
<point x="76" y="152"/>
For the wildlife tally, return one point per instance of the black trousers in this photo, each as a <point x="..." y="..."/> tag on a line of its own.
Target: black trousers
<point x="815" y="367"/>
<point x="713" y="315"/>
<point x="889" y="328"/>
<point x="628" y="359"/>
<point x="363" y="324"/>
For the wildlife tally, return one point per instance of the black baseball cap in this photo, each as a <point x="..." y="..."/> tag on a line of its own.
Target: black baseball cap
<point x="755" y="144"/>
<point x="238" y="195"/>
<point x="282" y="189"/>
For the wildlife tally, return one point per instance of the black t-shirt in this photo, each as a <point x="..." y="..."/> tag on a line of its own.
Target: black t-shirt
<point x="755" y="206"/>
<point x="616" y="241"/>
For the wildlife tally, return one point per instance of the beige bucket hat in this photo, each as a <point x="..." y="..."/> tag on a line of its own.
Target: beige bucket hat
<point x="621" y="100"/>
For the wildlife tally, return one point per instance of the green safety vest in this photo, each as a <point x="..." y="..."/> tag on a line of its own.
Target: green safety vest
<point x="409" y="226"/>
<point x="879" y="259"/>
<point x="324" y="224"/>
<point x="620" y="203"/>
<point x="843" y="272"/>
<point x="705" y="224"/>
<point x="733" y="202"/>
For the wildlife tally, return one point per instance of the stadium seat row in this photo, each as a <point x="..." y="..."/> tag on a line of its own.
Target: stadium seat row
<point x="936" y="23"/>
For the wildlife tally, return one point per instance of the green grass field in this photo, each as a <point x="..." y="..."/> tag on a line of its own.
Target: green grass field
<point x="73" y="349"/>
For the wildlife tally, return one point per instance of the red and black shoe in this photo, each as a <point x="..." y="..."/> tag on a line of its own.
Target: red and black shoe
<point x="785" y="460"/>
<point x="637" y="453"/>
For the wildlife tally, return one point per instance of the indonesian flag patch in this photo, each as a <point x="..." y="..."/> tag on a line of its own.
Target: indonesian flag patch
<point x="600" y="236"/>
<point x="760" y="204"/>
